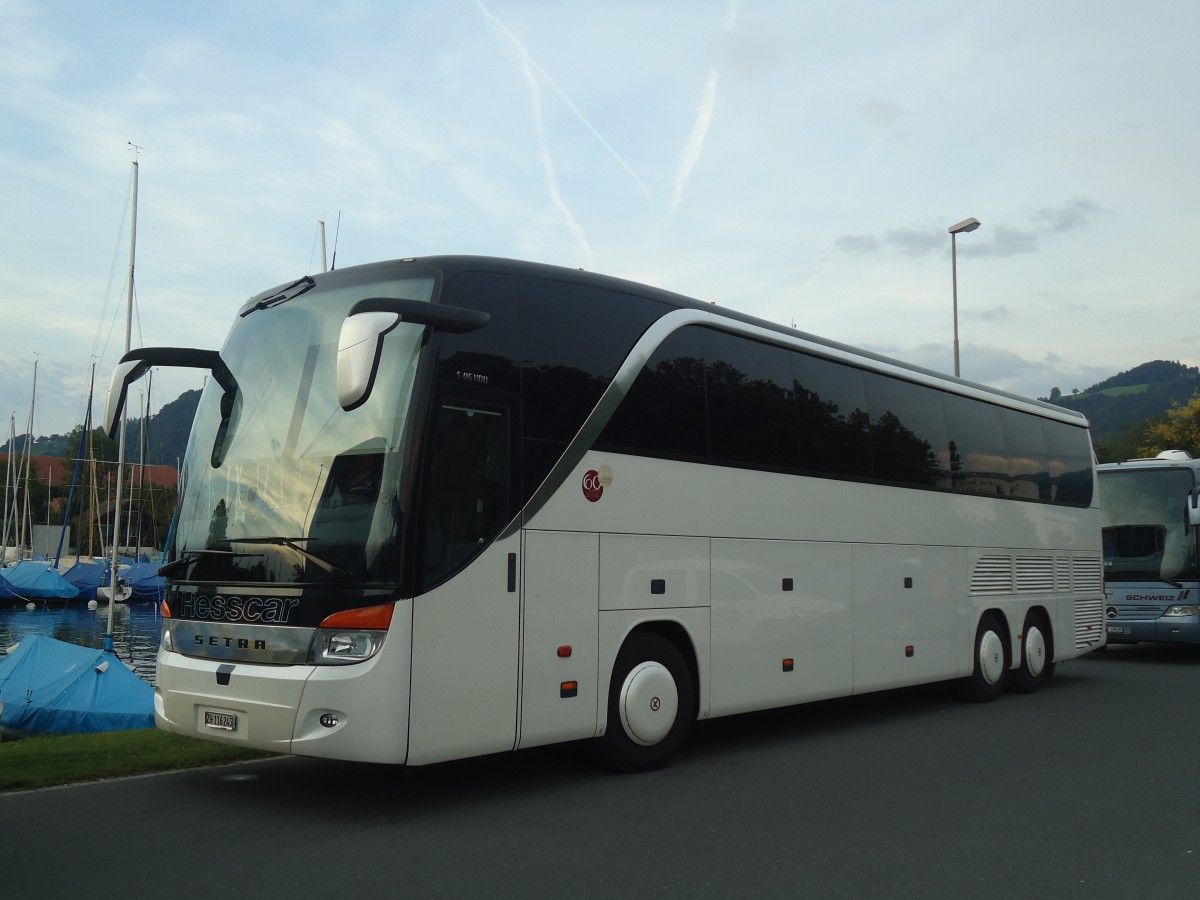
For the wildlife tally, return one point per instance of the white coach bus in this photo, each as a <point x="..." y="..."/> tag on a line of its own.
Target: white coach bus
<point x="442" y="507"/>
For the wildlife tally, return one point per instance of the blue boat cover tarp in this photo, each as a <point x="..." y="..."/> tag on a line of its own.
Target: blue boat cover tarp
<point x="29" y="579"/>
<point x="86" y="576"/>
<point x="144" y="580"/>
<point x="48" y="686"/>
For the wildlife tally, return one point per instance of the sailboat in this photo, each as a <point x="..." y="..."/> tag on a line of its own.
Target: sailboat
<point x="32" y="580"/>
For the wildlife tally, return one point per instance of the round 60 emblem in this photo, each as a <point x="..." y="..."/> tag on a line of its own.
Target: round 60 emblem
<point x="592" y="488"/>
<point x="595" y="481"/>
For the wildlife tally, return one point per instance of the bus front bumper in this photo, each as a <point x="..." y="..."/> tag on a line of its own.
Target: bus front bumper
<point x="1164" y="629"/>
<point x="302" y="710"/>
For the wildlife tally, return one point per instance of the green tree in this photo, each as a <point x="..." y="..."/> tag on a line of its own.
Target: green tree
<point x="97" y="445"/>
<point x="1179" y="429"/>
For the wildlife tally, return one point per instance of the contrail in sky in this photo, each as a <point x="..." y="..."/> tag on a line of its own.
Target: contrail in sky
<point x="695" y="142"/>
<point x="528" y="59"/>
<point x="532" y="70"/>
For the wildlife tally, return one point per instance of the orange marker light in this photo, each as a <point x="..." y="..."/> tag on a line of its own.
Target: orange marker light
<point x="366" y="618"/>
<point x="568" y="689"/>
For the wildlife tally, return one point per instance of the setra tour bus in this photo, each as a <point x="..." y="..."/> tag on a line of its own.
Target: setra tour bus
<point x="442" y="507"/>
<point x="1150" y="511"/>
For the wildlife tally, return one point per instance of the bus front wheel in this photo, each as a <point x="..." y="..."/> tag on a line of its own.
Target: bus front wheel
<point x="651" y="704"/>
<point x="991" y="658"/>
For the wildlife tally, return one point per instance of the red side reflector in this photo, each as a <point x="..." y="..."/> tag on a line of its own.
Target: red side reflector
<point x="373" y="618"/>
<point x="564" y="651"/>
<point x="909" y="650"/>
<point x="164" y="610"/>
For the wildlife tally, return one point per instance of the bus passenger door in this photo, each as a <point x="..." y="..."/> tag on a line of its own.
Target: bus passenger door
<point x="466" y="616"/>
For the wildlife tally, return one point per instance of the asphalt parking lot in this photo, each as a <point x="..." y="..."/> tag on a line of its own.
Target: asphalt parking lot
<point x="1085" y="789"/>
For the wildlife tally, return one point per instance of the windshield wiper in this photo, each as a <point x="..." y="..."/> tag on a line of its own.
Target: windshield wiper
<point x="293" y="543"/>
<point x="282" y="296"/>
<point x="190" y="556"/>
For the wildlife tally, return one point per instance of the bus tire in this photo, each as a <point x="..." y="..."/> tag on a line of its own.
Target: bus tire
<point x="991" y="660"/>
<point x="651" y="705"/>
<point x="1037" y="655"/>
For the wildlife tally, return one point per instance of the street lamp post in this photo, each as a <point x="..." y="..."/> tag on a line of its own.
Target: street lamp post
<point x="961" y="228"/>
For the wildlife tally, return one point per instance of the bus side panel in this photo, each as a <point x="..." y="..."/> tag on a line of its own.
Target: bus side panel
<point x="645" y="571"/>
<point x="559" y="637"/>
<point x="465" y="652"/>
<point x="781" y="623"/>
<point x="909" y="614"/>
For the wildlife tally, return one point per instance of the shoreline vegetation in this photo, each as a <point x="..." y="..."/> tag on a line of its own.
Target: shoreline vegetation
<point x="44" y="761"/>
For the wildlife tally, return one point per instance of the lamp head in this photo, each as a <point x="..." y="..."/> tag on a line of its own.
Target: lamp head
<point x="964" y="226"/>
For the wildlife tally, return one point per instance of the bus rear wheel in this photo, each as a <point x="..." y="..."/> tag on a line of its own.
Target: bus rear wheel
<point x="651" y="705"/>
<point x="1037" y="656"/>
<point x="986" y="681"/>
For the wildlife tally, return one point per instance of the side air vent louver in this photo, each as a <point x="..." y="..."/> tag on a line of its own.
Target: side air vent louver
<point x="1089" y="623"/>
<point x="992" y="575"/>
<point x="1087" y="574"/>
<point x="1035" y="573"/>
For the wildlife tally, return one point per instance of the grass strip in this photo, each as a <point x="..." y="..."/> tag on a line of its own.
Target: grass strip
<point x="49" y="760"/>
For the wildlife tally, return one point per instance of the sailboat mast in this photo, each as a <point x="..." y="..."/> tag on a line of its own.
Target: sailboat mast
<point x="9" y="475"/>
<point x="112" y="597"/>
<point x="26" y="515"/>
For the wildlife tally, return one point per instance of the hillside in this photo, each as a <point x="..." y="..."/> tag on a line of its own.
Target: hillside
<point x="1130" y="398"/>
<point x="166" y="435"/>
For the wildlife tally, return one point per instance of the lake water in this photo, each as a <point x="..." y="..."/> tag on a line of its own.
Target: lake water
<point x="136" y="628"/>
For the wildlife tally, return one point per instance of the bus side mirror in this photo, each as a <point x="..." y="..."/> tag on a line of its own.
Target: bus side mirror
<point x="125" y="374"/>
<point x="136" y="363"/>
<point x="360" y="346"/>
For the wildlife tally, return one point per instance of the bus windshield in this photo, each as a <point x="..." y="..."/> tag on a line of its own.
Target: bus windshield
<point x="1146" y="534"/>
<point x="280" y="485"/>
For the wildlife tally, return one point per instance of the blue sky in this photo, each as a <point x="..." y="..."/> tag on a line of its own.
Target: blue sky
<point x="799" y="161"/>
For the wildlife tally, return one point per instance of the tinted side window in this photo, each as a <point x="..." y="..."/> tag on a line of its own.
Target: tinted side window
<point x="557" y="343"/>
<point x="1028" y="465"/>
<point x="752" y="420"/>
<point x="574" y="338"/>
<point x="831" y="404"/>
<point x="908" y="430"/>
<point x="1070" y="463"/>
<point x="978" y="450"/>
<point x="664" y="412"/>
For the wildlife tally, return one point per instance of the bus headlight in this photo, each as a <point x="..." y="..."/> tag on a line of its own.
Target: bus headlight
<point x="343" y="648"/>
<point x="351" y="636"/>
<point x="1182" y="609"/>
<point x="167" y="643"/>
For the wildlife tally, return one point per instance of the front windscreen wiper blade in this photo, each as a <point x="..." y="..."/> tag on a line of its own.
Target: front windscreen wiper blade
<point x="190" y="556"/>
<point x="293" y="543"/>
<point x="283" y="295"/>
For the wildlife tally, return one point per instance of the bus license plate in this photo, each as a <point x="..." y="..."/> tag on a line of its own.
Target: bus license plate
<point x="222" y="721"/>
<point x="1116" y="629"/>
